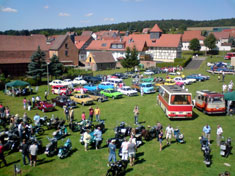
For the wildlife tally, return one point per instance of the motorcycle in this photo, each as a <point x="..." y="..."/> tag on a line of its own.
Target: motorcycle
<point x="178" y="136"/>
<point x="54" y="123"/>
<point x="123" y="129"/>
<point x="119" y="138"/>
<point x="225" y="147"/>
<point x="51" y="148"/>
<point x="43" y="120"/>
<point x="62" y="132"/>
<point x="65" y="150"/>
<point x="32" y="140"/>
<point x="38" y="130"/>
<point x="117" y="169"/>
<point x="206" y="150"/>
<point x="92" y="139"/>
<point x="11" y="141"/>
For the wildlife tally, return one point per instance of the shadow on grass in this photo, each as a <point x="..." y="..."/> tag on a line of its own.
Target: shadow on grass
<point x="43" y="161"/>
<point x="72" y="151"/>
<point x="128" y="170"/>
<point x="13" y="162"/>
<point x="139" y="161"/>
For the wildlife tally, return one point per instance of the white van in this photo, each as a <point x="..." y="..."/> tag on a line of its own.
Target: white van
<point x="115" y="80"/>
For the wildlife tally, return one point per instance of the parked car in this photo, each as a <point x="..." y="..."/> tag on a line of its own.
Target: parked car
<point x="121" y="75"/>
<point x="169" y="82"/>
<point x="106" y="85"/>
<point x="126" y="90"/>
<point x="67" y="82"/>
<point x="149" y="72"/>
<point x="185" y="81"/>
<point x="92" y="79"/>
<point x="79" y="81"/>
<point x="115" y="80"/>
<point x="147" y="87"/>
<point x="195" y="76"/>
<point x="56" y="82"/>
<point x="60" y="90"/>
<point x="97" y="96"/>
<point x="111" y="93"/>
<point x="44" y="106"/>
<point x="228" y="56"/>
<point x="64" y="101"/>
<point x="82" y="99"/>
<point x="78" y="89"/>
<point x="90" y="87"/>
<point x="147" y="79"/>
<point x="175" y="74"/>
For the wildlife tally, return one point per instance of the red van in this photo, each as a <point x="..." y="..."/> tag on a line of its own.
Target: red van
<point x="228" y="56"/>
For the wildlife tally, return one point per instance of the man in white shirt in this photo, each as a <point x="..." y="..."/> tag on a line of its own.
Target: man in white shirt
<point x="169" y="132"/>
<point x="33" y="149"/>
<point x="224" y="88"/>
<point x="125" y="150"/>
<point x="219" y="133"/>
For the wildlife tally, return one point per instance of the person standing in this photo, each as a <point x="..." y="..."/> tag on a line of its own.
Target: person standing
<point x="29" y="105"/>
<point x="160" y="139"/>
<point x="21" y="130"/>
<point x="224" y="88"/>
<point x="136" y="114"/>
<point x="33" y="149"/>
<point x="112" y="151"/>
<point x="36" y="119"/>
<point x="83" y="116"/>
<point x="97" y="114"/>
<point x="91" y="113"/>
<point x="124" y="147"/>
<point x="223" y="76"/>
<point x="207" y="132"/>
<point x="141" y="91"/>
<point x="159" y="127"/>
<point x="219" y="133"/>
<point x="33" y="101"/>
<point x="98" y="138"/>
<point x="66" y="112"/>
<point x="25" y="151"/>
<point x="71" y="114"/>
<point x="45" y="95"/>
<point x="132" y="151"/>
<point x="169" y="132"/>
<point x="24" y="103"/>
<point x="86" y="139"/>
<point x="2" y="154"/>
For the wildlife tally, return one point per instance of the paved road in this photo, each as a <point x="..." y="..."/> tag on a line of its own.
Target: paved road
<point x="195" y="63"/>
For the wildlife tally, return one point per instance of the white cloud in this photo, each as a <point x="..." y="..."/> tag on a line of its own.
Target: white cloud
<point x="46" y="7"/>
<point x="8" y="9"/>
<point x="89" y="14"/>
<point x="64" y="14"/>
<point x="108" y="19"/>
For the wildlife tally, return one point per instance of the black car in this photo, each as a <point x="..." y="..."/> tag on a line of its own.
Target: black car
<point x="64" y="101"/>
<point x="92" y="79"/>
<point x="121" y="75"/>
<point x="96" y="96"/>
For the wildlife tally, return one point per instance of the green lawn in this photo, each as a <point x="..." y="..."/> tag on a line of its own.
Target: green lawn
<point x="177" y="159"/>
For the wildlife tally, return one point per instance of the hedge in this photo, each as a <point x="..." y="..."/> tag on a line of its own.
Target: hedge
<point x="178" y="62"/>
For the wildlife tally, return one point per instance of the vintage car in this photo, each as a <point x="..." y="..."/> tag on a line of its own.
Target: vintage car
<point x="195" y="76"/>
<point x="79" y="81"/>
<point x="92" y="79"/>
<point x="56" y="82"/>
<point x="78" y="89"/>
<point x="82" y="99"/>
<point x="146" y="87"/>
<point x="67" y="82"/>
<point x="126" y="90"/>
<point x="64" y="101"/>
<point x="176" y="74"/>
<point x="210" y="102"/>
<point x="60" y="90"/>
<point x="106" y="85"/>
<point x="169" y="82"/>
<point x="182" y="80"/>
<point x="97" y="96"/>
<point x="120" y="75"/>
<point x="111" y="93"/>
<point x="148" y="72"/>
<point x="147" y="79"/>
<point x="44" y="106"/>
<point x="90" y="87"/>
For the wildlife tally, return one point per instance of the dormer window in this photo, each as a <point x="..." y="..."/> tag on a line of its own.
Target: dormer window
<point x="104" y="45"/>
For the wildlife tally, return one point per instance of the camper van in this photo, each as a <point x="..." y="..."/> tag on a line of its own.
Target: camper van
<point x="210" y="102"/>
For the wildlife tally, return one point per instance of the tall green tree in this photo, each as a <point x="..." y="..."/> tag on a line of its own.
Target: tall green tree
<point x="37" y="68"/>
<point x="210" y="41"/>
<point x="55" y="67"/>
<point x="131" y="58"/>
<point x="195" y="45"/>
<point x="134" y="57"/>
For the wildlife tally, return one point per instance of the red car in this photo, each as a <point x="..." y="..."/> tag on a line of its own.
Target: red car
<point x="44" y="106"/>
<point x="60" y="90"/>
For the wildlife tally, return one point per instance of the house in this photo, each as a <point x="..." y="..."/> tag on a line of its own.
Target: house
<point x="188" y="36"/>
<point x="222" y="42"/>
<point x="63" y="47"/>
<point x="15" y="52"/>
<point x="106" y="35"/>
<point x="101" y="60"/>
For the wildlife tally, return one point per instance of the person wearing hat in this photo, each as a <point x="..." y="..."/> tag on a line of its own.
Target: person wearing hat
<point x="86" y="139"/>
<point x="112" y="151"/>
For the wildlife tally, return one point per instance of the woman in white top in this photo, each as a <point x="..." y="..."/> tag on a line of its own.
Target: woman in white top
<point x="219" y="133"/>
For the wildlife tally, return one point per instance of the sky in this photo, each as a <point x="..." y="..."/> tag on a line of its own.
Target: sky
<point x="59" y="14"/>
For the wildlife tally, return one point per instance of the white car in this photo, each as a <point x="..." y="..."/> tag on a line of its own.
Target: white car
<point x="127" y="91"/>
<point x="192" y="80"/>
<point x="179" y="79"/>
<point x="56" y="82"/>
<point x="79" y="81"/>
<point x="67" y="82"/>
<point x="149" y="72"/>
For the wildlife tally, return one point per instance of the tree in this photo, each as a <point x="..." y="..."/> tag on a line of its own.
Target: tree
<point x="131" y="58"/>
<point x="55" y="67"/>
<point x="37" y="68"/>
<point x="195" y="45"/>
<point x="210" y="41"/>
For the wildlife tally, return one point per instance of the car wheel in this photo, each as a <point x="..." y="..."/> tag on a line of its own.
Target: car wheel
<point x="113" y="97"/>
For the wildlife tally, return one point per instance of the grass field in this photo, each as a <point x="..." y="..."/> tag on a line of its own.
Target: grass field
<point x="176" y="160"/>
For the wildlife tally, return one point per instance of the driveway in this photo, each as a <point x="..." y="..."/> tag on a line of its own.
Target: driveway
<point x="195" y="63"/>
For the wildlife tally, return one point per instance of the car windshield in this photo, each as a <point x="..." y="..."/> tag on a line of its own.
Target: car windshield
<point x="128" y="89"/>
<point x="85" y="96"/>
<point x="110" y="91"/>
<point x="181" y="99"/>
<point x="216" y="99"/>
<point x="147" y="85"/>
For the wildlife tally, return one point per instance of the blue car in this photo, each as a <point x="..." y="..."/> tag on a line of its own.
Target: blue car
<point x="195" y="76"/>
<point x="90" y="87"/>
<point x="106" y="85"/>
<point x="147" y="88"/>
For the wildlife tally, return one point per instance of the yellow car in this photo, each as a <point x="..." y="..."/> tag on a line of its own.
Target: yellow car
<point x="173" y="74"/>
<point x="82" y="99"/>
<point x="169" y="82"/>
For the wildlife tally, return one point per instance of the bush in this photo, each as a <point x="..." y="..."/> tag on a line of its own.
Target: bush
<point x="72" y="73"/>
<point x="178" y="62"/>
<point x="31" y="81"/>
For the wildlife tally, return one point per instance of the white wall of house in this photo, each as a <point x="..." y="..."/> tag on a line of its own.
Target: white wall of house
<point x="221" y="47"/>
<point x="185" y="46"/>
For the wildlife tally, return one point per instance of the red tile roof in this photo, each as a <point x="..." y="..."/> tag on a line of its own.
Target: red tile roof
<point x="81" y="40"/>
<point x="23" y="43"/>
<point x="189" y="35"/>
<point x="221" y="35"/>
<point x="57" y="43"/>
<point x="145" y="30"/>
<point x="104" y="45"/>
<point x="155" y="29"/>
<point x="86" y="33"/>
<point x="14" y="60"/>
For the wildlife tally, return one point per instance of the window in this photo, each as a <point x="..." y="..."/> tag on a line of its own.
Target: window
<point x="181" y="99"/>
<point x="166" y="97"/>
<point x="66" y="52"/>
<point x="66" y="45"/>
<point x="89" y="59"/>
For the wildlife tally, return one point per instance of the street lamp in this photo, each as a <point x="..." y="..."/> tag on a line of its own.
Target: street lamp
<point x="47" y="78"/>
